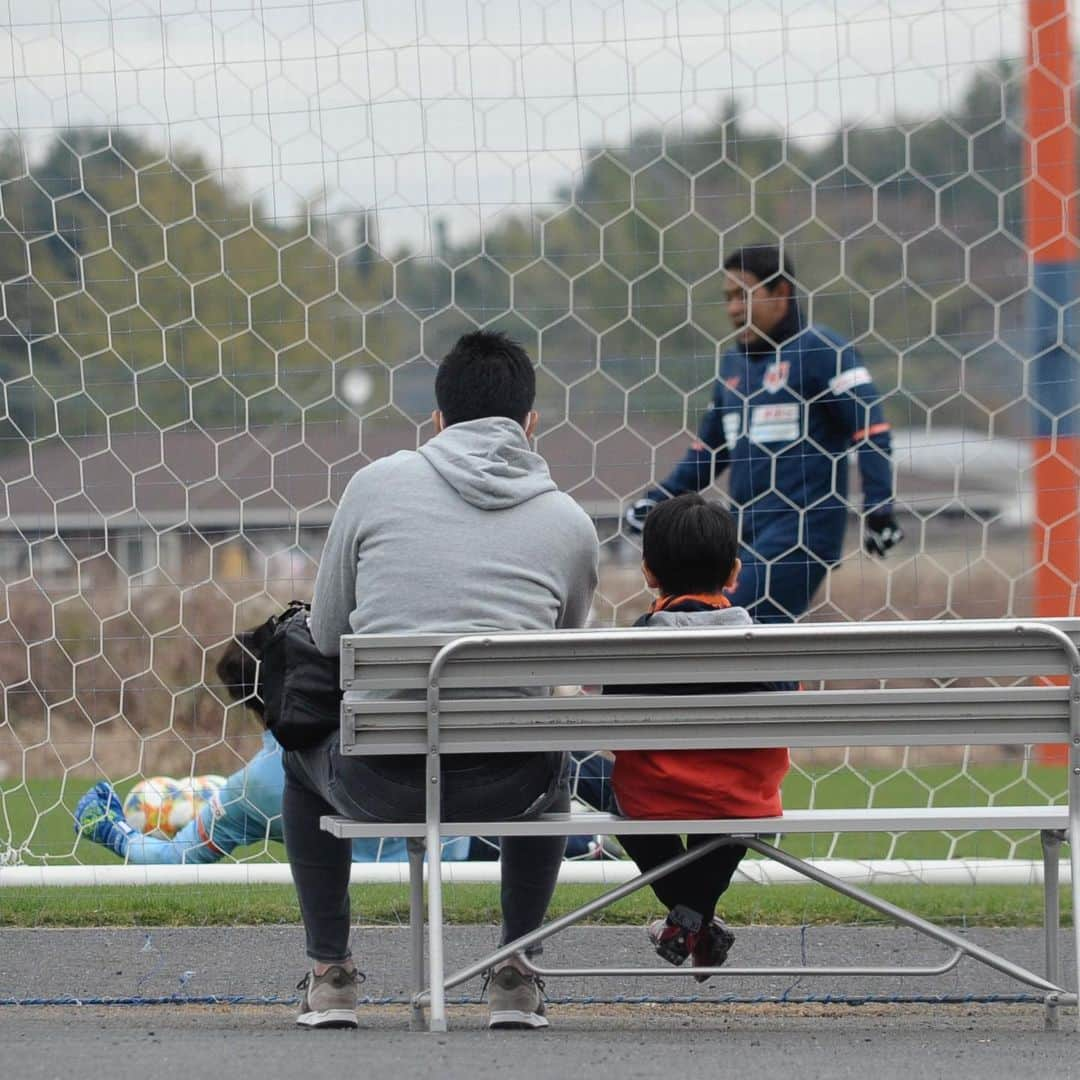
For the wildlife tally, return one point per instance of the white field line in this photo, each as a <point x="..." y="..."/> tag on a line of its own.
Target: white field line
<point x="592" y="872"/>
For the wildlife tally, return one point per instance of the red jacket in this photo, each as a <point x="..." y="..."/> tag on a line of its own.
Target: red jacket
<point x="699" y="783"/>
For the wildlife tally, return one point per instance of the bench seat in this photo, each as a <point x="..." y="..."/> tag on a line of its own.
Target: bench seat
<point x="917" y="819"/>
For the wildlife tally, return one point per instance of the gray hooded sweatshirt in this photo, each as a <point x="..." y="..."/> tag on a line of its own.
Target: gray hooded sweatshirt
<point x="467" y="534"/>
<point x="705" y="619"/>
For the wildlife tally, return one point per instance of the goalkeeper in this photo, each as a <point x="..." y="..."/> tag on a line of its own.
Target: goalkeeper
<point x="246" y="810"/>
<point x="792" y="399"/>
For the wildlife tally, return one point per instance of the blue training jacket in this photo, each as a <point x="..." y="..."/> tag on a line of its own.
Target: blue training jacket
<point x="782" y="422"/>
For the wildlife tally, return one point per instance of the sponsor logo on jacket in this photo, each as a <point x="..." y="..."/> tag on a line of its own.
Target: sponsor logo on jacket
<point x="774" y="423"/>
<point x="776" y="376"/>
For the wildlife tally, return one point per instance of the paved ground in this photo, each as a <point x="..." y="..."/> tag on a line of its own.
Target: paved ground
<point x="687" y="1040"/>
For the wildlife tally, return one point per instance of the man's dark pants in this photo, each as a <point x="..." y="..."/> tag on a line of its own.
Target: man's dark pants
<point x="322" y="781"/>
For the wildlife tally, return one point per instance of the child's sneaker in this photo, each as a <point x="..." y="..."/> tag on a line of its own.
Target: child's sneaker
<point x="99" y="815"/>
<point x="516" y="998"/>
<point x="711" y="947"/>
<point x="674" y="937"/>
<point x="329" y="998"/>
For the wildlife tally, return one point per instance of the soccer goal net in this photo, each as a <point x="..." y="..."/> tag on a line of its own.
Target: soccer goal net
<point x="235" y="240"/>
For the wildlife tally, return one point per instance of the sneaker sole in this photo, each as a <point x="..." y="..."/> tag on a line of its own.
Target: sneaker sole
<point x="677" y="959"/>
<point x="328" y="1018"/>
<point x="515" y="1018"/>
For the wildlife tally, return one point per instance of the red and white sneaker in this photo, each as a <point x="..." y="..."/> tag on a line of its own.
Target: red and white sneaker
<point x="674" y="937"/>
<point x="682" y="934"/>
<point x="711" y="947"/>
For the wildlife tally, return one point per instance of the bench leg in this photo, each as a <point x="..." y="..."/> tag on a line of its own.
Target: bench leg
<point x="1051" y="849"/>
<point x="549" y="929"/>
<point x="415" y="846"/>
<point x="1074" y="868"/>
<point x="437" y="963"/>
<point x="907" y="918"/>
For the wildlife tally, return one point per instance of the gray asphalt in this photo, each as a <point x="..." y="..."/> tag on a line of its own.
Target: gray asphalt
<point x="708" y="1037"/>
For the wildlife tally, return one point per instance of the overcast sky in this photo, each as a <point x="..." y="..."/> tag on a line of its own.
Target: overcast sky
<point x="459" y="108"/>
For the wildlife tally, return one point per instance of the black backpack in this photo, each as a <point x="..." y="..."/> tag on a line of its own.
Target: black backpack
<point x="300" y="687"/>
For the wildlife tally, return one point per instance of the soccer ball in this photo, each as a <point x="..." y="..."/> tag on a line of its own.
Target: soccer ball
<point x="161" y="806"/>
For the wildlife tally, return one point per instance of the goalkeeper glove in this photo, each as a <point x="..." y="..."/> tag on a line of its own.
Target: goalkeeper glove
<point x="881" y="533"/>
<point x="635" y="515"/>
<point x="99" y="815"/>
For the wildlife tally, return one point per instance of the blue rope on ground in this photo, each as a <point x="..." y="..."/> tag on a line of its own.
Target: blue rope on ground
<point x="809" y="999"/>
<point x="614" y="999"/>
<point x="170" y="999"/>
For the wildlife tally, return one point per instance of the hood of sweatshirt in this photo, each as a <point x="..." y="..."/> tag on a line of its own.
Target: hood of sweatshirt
<point x="731" y="616"/>
<point x="488" y="463"/>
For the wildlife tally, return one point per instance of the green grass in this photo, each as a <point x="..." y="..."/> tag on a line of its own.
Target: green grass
<point x="260" y="905"/>
<point x="36" y="818"/>
<point x="1009" y="784"/>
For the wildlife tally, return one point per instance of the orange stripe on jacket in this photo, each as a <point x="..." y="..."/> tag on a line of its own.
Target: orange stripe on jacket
<point x="866" y="432"/>
<point x="716" y="600"/>
<point x="204" y="836"/>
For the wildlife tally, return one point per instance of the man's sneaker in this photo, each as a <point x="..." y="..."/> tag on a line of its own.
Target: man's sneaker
<point x="516" y="998"/>
<point x="330" y="998"/>
<point x="674" y="937"/>
<point x="711" y="947"/>
<point x="99" y="815"/>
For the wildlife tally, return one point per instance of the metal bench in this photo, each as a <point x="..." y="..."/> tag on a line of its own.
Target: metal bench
<point x="442" y="703"/>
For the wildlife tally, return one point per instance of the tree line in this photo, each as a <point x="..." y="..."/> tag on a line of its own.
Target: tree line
<point x="141" y="291"/>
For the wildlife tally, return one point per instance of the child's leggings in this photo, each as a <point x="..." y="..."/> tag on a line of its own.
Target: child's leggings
<point x="697" y="886"/>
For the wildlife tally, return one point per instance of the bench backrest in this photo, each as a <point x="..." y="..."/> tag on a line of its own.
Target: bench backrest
<point x="417" y="669"/>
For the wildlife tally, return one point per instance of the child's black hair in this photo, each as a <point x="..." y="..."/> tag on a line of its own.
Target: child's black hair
<point x="690" y="545"/>
<point x="486" y="373"/>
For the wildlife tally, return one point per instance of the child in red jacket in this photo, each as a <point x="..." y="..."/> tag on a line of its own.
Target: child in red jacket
<point x="690" y="555"/>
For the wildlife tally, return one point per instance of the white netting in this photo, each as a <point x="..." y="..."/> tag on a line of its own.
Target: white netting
<point x="235" y="239"/>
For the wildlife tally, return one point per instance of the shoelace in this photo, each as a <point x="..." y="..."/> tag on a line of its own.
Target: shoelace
<point x="357" y="977"/>
<point x="490" y="974"/>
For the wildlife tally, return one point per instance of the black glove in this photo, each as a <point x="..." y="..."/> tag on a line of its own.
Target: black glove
<point x="881" y="533"/>
<point x="635" y="515"/>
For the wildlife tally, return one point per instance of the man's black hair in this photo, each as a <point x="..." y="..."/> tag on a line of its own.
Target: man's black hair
<point x="238" y="666"/>
<point x="690" y="545"/>
<point x="486" y="373"/>
<point x="765" y="262"/>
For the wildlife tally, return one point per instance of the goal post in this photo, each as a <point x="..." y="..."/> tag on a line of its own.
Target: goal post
<point x="1052" y="240"/>
<point x="234" y="244"/>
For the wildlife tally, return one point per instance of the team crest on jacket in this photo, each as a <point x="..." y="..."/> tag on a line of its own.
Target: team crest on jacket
<point x="776" y="376"/>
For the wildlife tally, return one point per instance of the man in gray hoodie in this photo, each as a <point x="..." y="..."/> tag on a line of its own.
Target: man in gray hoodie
<point x="467" y="534"/>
